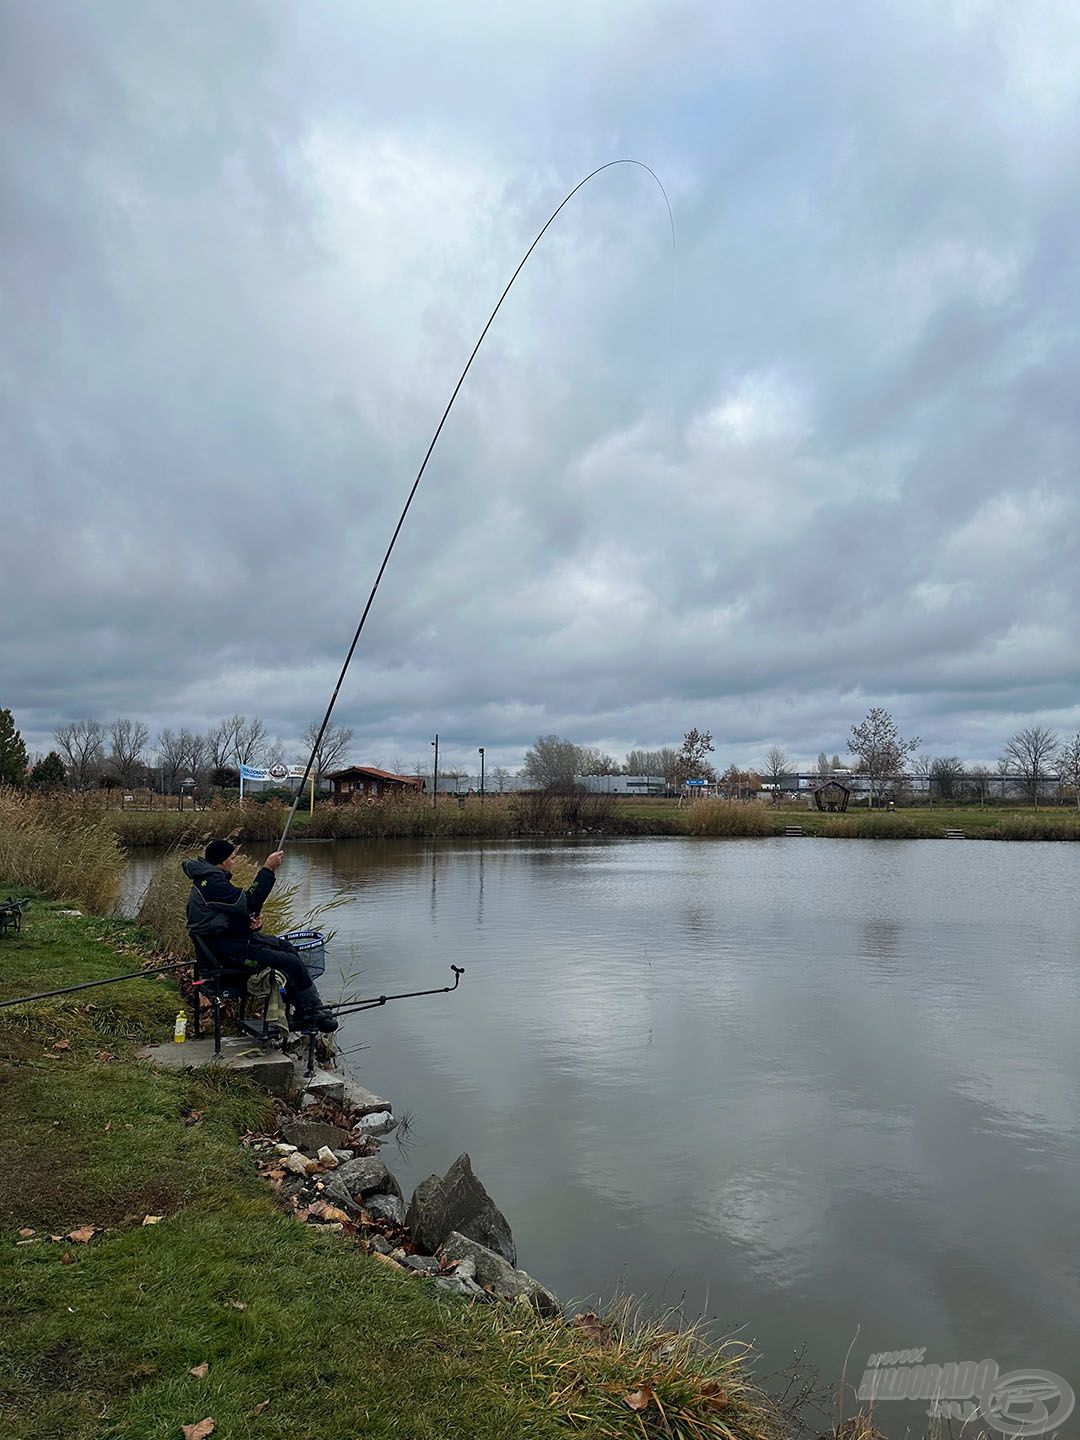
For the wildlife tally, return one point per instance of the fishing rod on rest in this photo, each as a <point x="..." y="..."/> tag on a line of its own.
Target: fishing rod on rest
<point x="610" y="164"/>
<point x="90" y="984"/>
<point x="352" y="1007"/>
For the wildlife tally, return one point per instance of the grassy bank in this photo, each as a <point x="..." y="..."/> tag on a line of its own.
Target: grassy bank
<point x="303" y="1335"/>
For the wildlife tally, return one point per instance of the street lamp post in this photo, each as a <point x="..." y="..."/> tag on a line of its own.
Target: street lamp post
<point x="435" y="780"/>
<point x="481" y="749"/>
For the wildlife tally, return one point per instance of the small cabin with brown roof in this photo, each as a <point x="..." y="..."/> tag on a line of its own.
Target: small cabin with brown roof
<point x="369" y="781"/>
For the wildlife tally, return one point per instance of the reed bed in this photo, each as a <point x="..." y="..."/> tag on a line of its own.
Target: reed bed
<point x="64" y="849"/>
<point x="1059" y="825"/>
<point x="726" y="818"/>
<point x="880" y="826"/>
<point x="391" y="817"/>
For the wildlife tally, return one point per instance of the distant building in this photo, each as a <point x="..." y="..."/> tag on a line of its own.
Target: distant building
<point x="622" y="784"/>
<point x="368" y="780"/>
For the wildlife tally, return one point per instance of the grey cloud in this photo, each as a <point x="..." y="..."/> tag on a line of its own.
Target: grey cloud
<point x="246" y="251"/>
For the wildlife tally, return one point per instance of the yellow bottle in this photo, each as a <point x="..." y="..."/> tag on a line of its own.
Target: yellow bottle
<point x="179" y="1033"/>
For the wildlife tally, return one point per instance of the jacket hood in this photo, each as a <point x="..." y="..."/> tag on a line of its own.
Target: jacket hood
<point x="198" y="869"/>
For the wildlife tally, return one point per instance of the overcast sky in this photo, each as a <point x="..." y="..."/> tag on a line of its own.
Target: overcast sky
<point x="824" y="457"/>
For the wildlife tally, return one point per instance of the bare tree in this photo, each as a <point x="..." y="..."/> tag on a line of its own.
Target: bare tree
<point x="978" y="781"/>
<point x="249" y="740"/>
<point x="880" y="749"/>
<point x="692" y="763"/>
<point x="592" y="761"/>
<point x="500" y="775"/>
<point x="664" y="761"/>
<point x="331" y="749"/>
<point x="128" y="739"/>
<point x="947" y="774"/>
<point x="1068" y="761"/>
<point x="1004" y="772"/>
<point x="923" y="766"/>
<point x="196" y="753"/>
<point x="82" y="742"/>
<point x="221" y="742"/>
<point x="172" y="747"/>
<point x="1030" y="754"/>
<point x="551" y="760"/>
<point x="777" y="765"/>
<point x="273" y="753"/>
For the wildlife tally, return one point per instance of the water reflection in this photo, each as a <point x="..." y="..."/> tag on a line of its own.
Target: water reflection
<point x="811" y="1086"/>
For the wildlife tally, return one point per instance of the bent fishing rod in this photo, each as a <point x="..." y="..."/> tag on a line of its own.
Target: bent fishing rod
<point x="610" y="164"/>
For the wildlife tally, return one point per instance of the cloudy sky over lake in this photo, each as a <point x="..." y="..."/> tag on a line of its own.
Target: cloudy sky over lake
<point x="825" y="457"/>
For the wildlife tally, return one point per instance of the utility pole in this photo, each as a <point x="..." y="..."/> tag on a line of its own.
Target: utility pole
<point x="481" y="749"/>
<point x="435" y="781"/>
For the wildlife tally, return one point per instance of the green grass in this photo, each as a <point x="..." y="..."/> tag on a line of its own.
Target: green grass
<point x="915" y="822"/>
<point x="97" y="1339"/>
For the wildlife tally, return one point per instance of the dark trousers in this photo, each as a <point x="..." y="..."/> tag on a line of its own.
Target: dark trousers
<point x="270" y="950"/>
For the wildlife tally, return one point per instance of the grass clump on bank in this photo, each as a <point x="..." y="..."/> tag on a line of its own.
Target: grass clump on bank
<point x="302" y="1335"/>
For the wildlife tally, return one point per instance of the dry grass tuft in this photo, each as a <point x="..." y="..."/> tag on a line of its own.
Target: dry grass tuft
<point x="667" y="1381"/>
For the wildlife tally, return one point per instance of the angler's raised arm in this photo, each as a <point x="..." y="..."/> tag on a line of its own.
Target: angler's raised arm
<point x="263" y="883"/>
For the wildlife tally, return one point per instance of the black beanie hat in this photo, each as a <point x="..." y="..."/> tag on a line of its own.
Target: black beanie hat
<point x="219" y="850"/>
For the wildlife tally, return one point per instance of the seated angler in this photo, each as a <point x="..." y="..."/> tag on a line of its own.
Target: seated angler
<point x="227" y="920"/>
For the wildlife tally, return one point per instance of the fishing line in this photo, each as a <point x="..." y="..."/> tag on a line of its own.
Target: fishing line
<point x="610" y="164"/>
<point x="374" y="1002"/>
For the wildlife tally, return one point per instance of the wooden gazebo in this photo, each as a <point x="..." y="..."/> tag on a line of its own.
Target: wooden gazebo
<point x="832" y="796"/>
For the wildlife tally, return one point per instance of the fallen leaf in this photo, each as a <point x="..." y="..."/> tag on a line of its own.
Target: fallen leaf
<point x="65" y="1258"/>
<point x="193" y="1117"/>
<point x="56" y="1238"/>
<point x="83" y="1235"/>
<point x="200" y="1371"/>
<point x="153" y="1219"/>
<point x="200" y="1430"/>
<point x="24" y="1233"/>
<point x="62" y="1045"/>
<point x="639" y="1399"/>
<point x="260" y="1407"/>
<point x="238" y="1304"/>
<point x="591" y="1327"/>
<point x="108" y="1126"/>
<point x="104" y="1056"/>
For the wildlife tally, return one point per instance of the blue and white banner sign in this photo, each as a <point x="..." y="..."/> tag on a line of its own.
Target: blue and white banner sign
<point x="272" y="772"/>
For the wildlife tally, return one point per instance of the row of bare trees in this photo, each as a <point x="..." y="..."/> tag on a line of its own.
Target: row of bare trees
<point x="1032" y="762"/>
<point x="120" y="753"/>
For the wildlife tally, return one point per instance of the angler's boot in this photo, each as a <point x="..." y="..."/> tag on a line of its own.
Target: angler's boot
<point x="309" y="1009"/>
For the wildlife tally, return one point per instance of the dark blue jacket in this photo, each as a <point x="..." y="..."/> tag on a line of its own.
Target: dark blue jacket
<point x="219" y="912"/>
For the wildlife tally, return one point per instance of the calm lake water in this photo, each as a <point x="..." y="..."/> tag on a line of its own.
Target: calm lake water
<point x="816" y="1090"/>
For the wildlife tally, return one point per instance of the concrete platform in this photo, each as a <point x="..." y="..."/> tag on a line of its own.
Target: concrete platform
<point x="273" y="1071"/>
